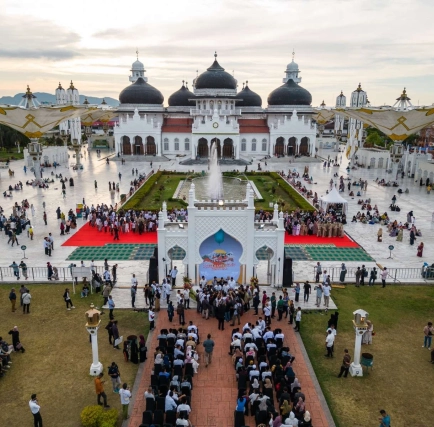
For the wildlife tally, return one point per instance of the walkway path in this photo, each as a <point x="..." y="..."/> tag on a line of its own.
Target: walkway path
<point x="215" y="389"/>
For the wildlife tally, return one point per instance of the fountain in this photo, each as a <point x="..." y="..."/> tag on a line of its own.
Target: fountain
<point x="215" y="178"/>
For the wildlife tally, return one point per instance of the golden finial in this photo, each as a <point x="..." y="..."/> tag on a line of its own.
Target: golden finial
<point x="137" y="53"/>
<point x="293" y="54"/>
<point x="215" y="54"/>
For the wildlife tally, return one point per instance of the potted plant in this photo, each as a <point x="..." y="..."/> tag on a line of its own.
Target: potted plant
<point x="187" y="282"/>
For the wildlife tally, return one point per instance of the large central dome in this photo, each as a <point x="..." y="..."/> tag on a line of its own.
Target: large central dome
<point x="141" y="92"/>
<point x="215" y="77"/>
<point x="290" y="93"/>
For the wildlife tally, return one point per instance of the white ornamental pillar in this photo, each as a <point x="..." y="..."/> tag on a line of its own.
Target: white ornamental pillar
<point x="360" y="327"/>
<point x="92" y="325"/>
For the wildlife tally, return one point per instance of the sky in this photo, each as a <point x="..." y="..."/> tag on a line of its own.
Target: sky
<point x="385" y="45"/>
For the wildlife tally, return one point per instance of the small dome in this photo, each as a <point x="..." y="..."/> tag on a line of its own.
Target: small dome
<point x="292" y="66"/>
<point x="137" y="65"/>
<point x="215" y="78"/>
<point x="181" y="98"/>
<point x="249" y="98"/>
<point x="290" y="93"/>
<point x="141" y="92"/>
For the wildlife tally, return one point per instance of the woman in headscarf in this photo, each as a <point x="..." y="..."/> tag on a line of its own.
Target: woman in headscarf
<point x="158" y="359"/>
<point x="239" y="364"/>
<point x="420" y="250"/>
<point x="175" y="382"/>
<point x="400" y="235"/>
<point x="306" y="421"/>
<point x="255" y="385"/>
<point x="380" y="235"/>
<point x="412" y="237"/>
<point x="295" y="384"/>
<point x="367" y="336"/>
<point x="268" y="383"/>
<point x="291" y="421"/>
<point x="142" y="348"/>
<point x="343" y="273"/>
<point x="238" y="354"/>
<point x="277" y="422"/>
<point x="285" y="409"/>
<point x="300" y="408"/>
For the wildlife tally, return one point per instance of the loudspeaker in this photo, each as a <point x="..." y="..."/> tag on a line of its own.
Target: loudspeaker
<point x="287" y="272"/>
<point x="156" y="253"/>
<point x="153" y="269"/>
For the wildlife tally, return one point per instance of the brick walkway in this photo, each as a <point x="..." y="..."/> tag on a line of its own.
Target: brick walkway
<point x="215" y="390"/>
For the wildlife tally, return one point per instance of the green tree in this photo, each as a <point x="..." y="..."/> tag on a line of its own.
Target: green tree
<point x="9" y="137"/>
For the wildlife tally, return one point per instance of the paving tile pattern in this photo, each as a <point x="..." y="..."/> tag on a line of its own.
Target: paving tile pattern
<point x="214" y="388"/>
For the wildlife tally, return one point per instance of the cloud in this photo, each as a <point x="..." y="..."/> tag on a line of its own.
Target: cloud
<point x="37" y="39"/>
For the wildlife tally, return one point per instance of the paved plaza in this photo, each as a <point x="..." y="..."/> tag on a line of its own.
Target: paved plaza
<point x="95" y="168"/>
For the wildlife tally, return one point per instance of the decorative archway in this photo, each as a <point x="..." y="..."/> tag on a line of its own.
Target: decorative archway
<point x="264" y="255"/>
<point x="218" y="146"/>
<point x="304" y="146"/>
<point x="279" y="148"/>
<point x="220" y="255"/>
<point x="372" y="163"/>
<point x="292" y="143"/>
<point x="151" y="148"/>
<point x="228" y="148"/>
<point x="138" y="145"/>
<point x="380" y="163"/>
<point x="126" y="145"/>
<point x="202" y="148"/>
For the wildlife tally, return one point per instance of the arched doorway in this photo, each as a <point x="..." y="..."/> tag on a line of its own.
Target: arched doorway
<point x="264" y="256"/>
<point x="126" y="145"/>
<point x="291" y="146"/>
<point x="202" y="148"/>
<point x="279" y="149"/>
<point x="218" y="146"/>
<point x="151" y="148"/>
<point x="228" y="148"/>
<point x="304" y="146"/>
<point x="138" y="145"/>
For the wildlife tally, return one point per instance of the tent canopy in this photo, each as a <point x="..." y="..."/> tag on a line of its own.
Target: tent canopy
<point x="333" y="198"/>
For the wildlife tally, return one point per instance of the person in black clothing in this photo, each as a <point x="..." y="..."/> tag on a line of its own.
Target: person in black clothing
<point x="256" y="303"/>
<point x="362" y="277"/>
<point x="110" y="331"/>
<point x="220" y="314"/>
<point x="16" y="339"/>
<point x="307" y="288"/>
<point x="346" y="362"/>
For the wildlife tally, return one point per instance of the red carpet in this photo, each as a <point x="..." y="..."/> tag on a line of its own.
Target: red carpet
<point x="342" y="242"/>
<point x="90" y="236"/>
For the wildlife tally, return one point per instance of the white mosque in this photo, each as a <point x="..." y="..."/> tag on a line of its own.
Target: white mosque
<point x="215" y="112"/>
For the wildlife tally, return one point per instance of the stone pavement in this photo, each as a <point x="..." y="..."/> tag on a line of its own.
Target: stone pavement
<point x="214" y="388"/>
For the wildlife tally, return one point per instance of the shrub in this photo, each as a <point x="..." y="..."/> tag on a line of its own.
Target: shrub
<point x="90" y="416"/>
<point x="95" y="416"/>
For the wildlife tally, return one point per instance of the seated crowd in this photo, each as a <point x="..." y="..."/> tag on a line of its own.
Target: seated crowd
<point x="267" y="385"/>
<point x="168" y="398"/>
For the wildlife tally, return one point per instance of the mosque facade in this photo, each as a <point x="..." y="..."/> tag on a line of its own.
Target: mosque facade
<point x="214" y="111"/>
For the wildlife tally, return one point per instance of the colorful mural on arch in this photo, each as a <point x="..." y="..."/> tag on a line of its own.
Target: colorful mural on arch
<point x="221" y="256"/>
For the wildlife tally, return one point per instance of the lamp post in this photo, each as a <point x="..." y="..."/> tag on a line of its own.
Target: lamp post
<point x="35" y="152"/>
<point x="77" y="148"/>
<point x="93" y="321"/>
<point x="360" y="327"/>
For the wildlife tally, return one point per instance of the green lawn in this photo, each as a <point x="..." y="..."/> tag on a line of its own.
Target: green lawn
<point x="402" y="378"/>
<point x="159" y="188"/>
<point x="10" y="155"/>
<point x="58" y="357"/>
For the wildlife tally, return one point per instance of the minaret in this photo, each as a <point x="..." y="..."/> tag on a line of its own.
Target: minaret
<point x="137" y="70"/>
<point x="292" y="71"/>
<point x="403" y="102"/>
<point x="60" y="95"/>
<point x="74" y="125"/>
<point x="341" y="102"/>
<point x="355" y="127"/>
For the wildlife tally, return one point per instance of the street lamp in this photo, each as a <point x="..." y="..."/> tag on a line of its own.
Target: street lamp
<point x="77" y="148"/>
<point x="93" y="320"/>
<point x="64" y="136"/>
<point x="360" y="327"/>
<point x="35" y="152"/>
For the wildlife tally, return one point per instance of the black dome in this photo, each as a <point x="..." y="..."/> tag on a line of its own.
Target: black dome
<point x="181" y="98"/>
<point x="141" y="92"/>
<point x="249" y="98"/>
<point x="290" y="93"/>
<point x="215" y="78"/>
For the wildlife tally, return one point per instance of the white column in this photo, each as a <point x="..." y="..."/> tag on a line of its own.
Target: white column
<point x="96" y="368"/>
<point x="356" y="369"/>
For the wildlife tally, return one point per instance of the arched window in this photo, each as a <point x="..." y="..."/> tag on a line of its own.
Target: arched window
<point x="166" y="144"/>
<point x="187" y="144"/>
<point x="176" y="144"/>
<point x="264" y="145"/>
<point x="243" y="144"/>
<point x="253" y="144"/>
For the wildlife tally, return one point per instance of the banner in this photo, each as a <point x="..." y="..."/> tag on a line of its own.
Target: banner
<point x="220" y="254"/>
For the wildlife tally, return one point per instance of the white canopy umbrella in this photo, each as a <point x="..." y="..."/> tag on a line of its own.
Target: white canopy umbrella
<point x="333" y="198"/>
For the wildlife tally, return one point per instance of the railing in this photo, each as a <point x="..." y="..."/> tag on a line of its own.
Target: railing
<point x="395" y="274"/>
<point x="37" y="274"/>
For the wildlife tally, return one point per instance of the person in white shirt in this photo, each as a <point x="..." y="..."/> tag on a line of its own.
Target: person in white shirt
<point x="187" y="298"/>
<point x="169" y="404"/>
<point x="256" y="332"/>
<point x="92" y="266"/>
<point x="173" y="274"/>
<point x="202" y="281"/>
<point x="247" y="335"/>
<point x="254" y="373"/>
<point x="268" y="334"/>
<point x="182" y="421"/>
<point x="330" y="339"/>
<point x="125" y="395"/>
<point x="151" y="318"/>
<point x="35" y="409"/>
<point x="297" y="320"/>
<point x="247" y="326"/>
<point x="326" y="290"/>
<point x="262" y="324"/>
<point x="232" y="284"/>
<point x="134" y="281"/>
<point x="183" y="407"/>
